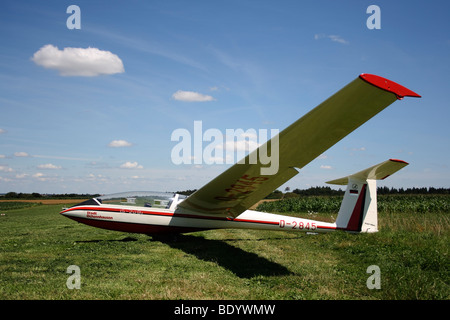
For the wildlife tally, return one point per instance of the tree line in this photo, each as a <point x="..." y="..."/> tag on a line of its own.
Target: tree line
<point x="35" y="195"/>
<point x="327" y="191"/>
<point x="277" y="194"/>
<point x="430" y="190"/>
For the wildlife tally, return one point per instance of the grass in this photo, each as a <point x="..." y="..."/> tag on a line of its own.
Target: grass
<point x="14" y="205"/>
<point x="37" y="245"/>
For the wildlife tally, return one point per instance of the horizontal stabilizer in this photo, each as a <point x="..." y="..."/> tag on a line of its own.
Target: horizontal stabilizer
<point x="358" y="212"/>
<point x="378" y="172"/>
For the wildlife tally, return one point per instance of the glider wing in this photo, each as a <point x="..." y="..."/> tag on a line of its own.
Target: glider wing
<point x="247" y="182"/>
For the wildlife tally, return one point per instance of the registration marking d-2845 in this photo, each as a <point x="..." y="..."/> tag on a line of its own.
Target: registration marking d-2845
<point x="298" y="225"/>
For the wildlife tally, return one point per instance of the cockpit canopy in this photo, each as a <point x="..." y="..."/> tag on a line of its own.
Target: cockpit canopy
<point x="142" y="199"/>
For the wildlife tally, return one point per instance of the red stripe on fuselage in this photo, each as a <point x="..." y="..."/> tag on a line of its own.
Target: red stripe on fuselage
<point x="135" y="227"/>
<point x="158" y="213"/>
<point x="124" y="210"/>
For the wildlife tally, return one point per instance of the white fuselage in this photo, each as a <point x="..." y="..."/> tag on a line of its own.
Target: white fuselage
<point x="159" y="221"/>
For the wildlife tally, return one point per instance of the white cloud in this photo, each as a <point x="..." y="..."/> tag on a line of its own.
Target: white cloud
<point x="332" y="37"/>
<point x="42" y="177"/>
<point x="119" y="144"/>
<point x="21" y="154"/>
<point x="96" y="178"/>
<point x="326" y="167"/>
<point x="6" y="169"/>
<point x="48" y="166"/>
<point x="191" y="96"/>
<point x="247" y="141"/>
<point x="241" y="145"/>
<point x="83" y="62"/>
<point x="131" y="165"/>
<point x="2" y="131"/>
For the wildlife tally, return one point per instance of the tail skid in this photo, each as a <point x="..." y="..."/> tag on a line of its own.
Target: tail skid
<point x="358" y="211"/>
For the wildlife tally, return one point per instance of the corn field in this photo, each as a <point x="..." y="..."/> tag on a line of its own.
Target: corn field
<point x="386" y="204"/>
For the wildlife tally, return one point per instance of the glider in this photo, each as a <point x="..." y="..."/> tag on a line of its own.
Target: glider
<point x="224" y="202"/>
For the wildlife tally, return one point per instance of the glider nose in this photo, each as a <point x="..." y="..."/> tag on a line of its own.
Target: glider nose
<point x="64" y="211"/>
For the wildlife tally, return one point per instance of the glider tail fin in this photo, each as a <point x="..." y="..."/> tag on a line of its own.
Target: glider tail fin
<point x="358" y="211"/>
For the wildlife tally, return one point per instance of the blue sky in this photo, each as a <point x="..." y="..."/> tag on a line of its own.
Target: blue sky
<point x="251" y="64"/>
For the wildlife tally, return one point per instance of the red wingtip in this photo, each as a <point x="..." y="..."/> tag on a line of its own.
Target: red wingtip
<point x="388" y="85"/>
<point x="398" y="160"/>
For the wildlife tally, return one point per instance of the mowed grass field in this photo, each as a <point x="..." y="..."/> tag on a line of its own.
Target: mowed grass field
<point x="37" y="245"/>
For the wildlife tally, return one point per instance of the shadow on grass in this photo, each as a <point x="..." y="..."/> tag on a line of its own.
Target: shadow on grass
<point x="242" y="263"/>
<point x="126" y="239"/>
